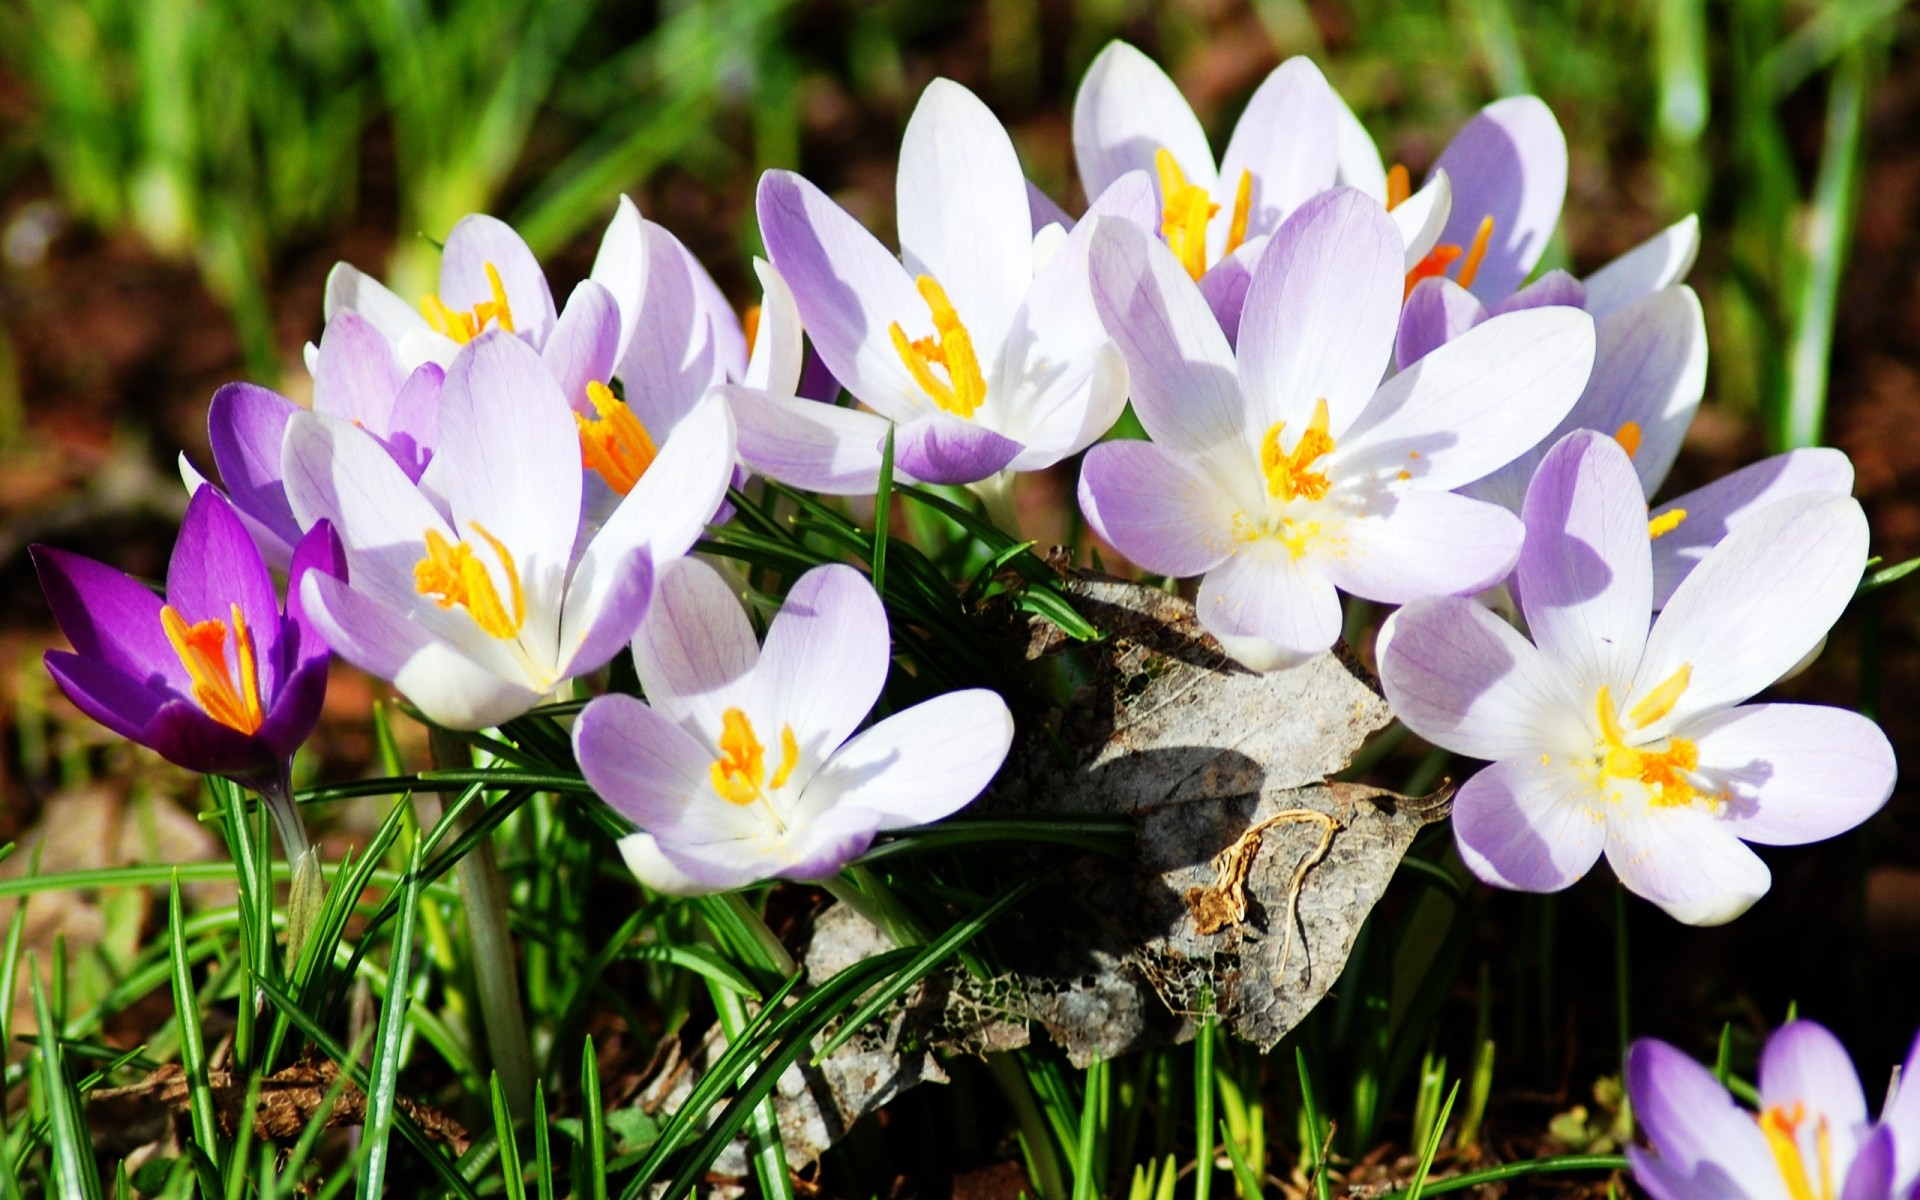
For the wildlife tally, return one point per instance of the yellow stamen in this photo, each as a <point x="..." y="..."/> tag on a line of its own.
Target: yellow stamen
<point x="951" y="347"/>
<point x="1660" y="701"/>
<point x="1184" y="212"/>
<point x="789" y="757"/>
<point x="202" y="648"/>
<point x="1476" y="252"/>
<point x="1288" y="474"/>
<point x="1665" y="772"/>
<point x="1242" y="210"/>
<point x="1779" y="1127"/>
<point x="1666" y="522"/>
<point x="1628" y="435"/>
<point x="614" y="443"/>
<point x="463" y="327"/>
<point x="740" y="773"/>
<point x="452" y="574"/>
<point x="1399" y="186"/>
<point x="502" y="311"/>
<point x="750" y="324"/>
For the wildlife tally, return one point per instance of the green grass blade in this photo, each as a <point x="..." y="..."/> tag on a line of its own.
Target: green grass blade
<point x="73" y="1165"/>
<point x="542" y="1145"/>
<point x="193" y="1049"/>
<point x="765" y="1150"/>
<point x="1432" y="1146"/>
<point x="1086" y="1146"/>
<point x="883" y="514"/>
<point x="511" y="1175"/>
<point x="1517" y="1170"/>
<point x="1203" y="1101"/>
<point x="387" y="1043"/>
<point x="1312" y="1153"/>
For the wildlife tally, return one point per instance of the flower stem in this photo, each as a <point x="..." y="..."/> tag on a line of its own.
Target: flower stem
<point x="859" y="889"/>
<point x="996" y="497"/>
<point x="303" y="859"/>
<point x="483" y="897"/>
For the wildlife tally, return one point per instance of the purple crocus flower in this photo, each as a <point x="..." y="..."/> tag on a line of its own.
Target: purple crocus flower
<point x="1284" y="471"/>
<point x="1605" y="735"/>
<point x="1811" y="1139"/>
<point x="743" y="763"/>
<point x="216" y="676"/>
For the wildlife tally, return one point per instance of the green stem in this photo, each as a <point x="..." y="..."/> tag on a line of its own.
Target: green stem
<point x="483" y="897"/>
<point x="768" y="1150"/>
<point x="996" y="497"/>
<point x="861" y="890"/>
<point x="303" y="859"/>
<point x="777" y="959"/>
<point x="1042" y="1157"/>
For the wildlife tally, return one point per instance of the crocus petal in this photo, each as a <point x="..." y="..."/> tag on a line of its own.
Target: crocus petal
<point x="1803" y="1064"/>
<point x="215" y="567"/>
<point x="808" y="445"/>
<point x="1554" y="287"/>
<point x="696" y="647"/>
<point x="849" y="290"/>
<point x="1425" y="543"/>
<point x="413" y="428"/>
<point x="590" y="635"/>
<point x="165" y="722"/>
<point x="672" y="358"/>
<point x="1528" y="825"/>
<point x="1902" y="1116"/>
<point x="110" y="616"/>
<point x="1320" y="314"/>
<point x="814" y="851"/>
<point x="727" y="336"/>
<point x="583" y="343"/>
<point x="620" y="266"/>
<point x="1359" y="165"/>
<point x="644" y="766"/>
<point x="356" y="375"/>
<point x="937" y="448"/>
<point x="1421" y="217"/>
<point x="1758" y="603"/>
<point x="1127" y="110"/>
<point x="641" y="853"/>
<point x="1585" y="579"/>
<point x="1510" y="163"/>
<point x="819" y="849"/>
<point x="1687" y="861"/>
<point x="921" y="764"/>
<point x="1795" y="773"/>
<point x="1477" y="402"/>
<point x="779" y="348"/>
<point x="320" y="550"/>
<point x="1265" y="592"/>
<point x="1437" y="311"/>
<point x="1872" y="1174"/>
<point x="1043" y="211"/>
<point x="1185" y="388"/>
<point x="1465" y="679"/>
<point x="1712" y="511"/>
<point x="1157" y="508"/>
<point x="1224" y="286"/>
<point x="1700" y="1133"/>
<point x="477" y="241"/>
<point x="1659" y="262"/>
<point x="825" y="657"/>
<point x="1288" y="140"/>
<point x="351" y="290"/>
<point x="962" y="210"/>
<point x="245" y="425"/>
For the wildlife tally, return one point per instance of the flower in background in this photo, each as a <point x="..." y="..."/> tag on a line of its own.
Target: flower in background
<point x="1285" y="471"/>
<point x="983" y="347"/>
<point x="216" y="676"/>
<point x="475" y="589"/>
<point x="1604" y="735"/>
<point x="743" y="763"/>
<point x="1810" y="1140"/>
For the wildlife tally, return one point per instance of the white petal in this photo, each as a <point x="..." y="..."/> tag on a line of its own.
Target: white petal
<point x="1661" y="261"/>
<point x="1686" y="861"/>
<point x="921" y="764"/>
<point x="1125" y="111"/>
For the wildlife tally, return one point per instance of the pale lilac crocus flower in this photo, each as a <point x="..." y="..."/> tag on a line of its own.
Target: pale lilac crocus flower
<point x="1810" y="1140"/>
<point x="1607" y="736"/>
<point x="743" y="763"/>
<point x="1284" y="471"/>
<point x="476" y="590"/>
<point x="982" y="347"/>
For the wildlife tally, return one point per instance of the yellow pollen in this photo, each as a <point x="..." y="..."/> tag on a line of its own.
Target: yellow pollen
<point x="1242" y="210"/>
<point x="1665" y="772"/>
<point x="1185" y="210"/>
<point x="614" y="443"/>
<point x="740" y="773"/>
<point x="1399" y="186"/>
<point x="750" y="325"/>
<point x="202" y="648"/>
<point x="463" y="327"/>
<point x="951" y="347"/>
<point x="1666" y="522"/>
<point x="452" y="574"/>
<point x="1781" y="1127"/>
<point x="1628" y="435"/>
<point x="1288" y="474"/>
<point x="1476" y="252"/>
<point x="1660" y="701"/>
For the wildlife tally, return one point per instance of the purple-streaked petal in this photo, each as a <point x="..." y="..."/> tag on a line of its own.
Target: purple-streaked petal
<point x="1288" y="139"/>
<point x="620" y="266"/>
<point x="320" y="550"/>
<point x="1757" y="604"/>
<point x="1358" y="164"/>
<point x="1126" y="111"/>
<point x="1794" y="773"/>
<point x="1424" y="543"/>
<point x="696" y="647"/>
<point x="245" y="425"/>
<point x="583" y="343"/>
<point x="921" y="764"/>
<point x="413" y="428"/>
<point x="356" y="375"/>
<point x="937" y="448"/>
<point x="1706" y="1140"/>
<point x="816" y="850"/>
<point x="1659" y="262"/>
<point x="1554" y="287"/>
<point x="672" y="358"/>
<point x="1438" y="311"/>
<point x="215" y="567"/>
<point x="1721" y="506"/>
<point x="1157" y="508"/>
<point x="1224" y="286"/>
<point x="825" y="658"/>
<point x="159" y="719"/>
<point x="1529" y="825"/>
<point x="591" y="636"/>
<point x="351" y="290"/>
<point x="1585" y="579"/>
<point x="820" y="848"/>
<point x="806" y="444"/>
<point x="1264" y="592"/>
<point x="1042" y="211"/>
<point x="1477" y="402"/>
<point x="1463" y="678"/>
<point x="728" y="338"/>
<point x="110" y="616"/>
<point x="962" y="212"/>
<point x="817" y="381"/>
<point x="1319" y="318"/>
<point x="644" y="766"/>
<point x="1872" y="1174"/>
<point x="1902" y="1116"/>
<point x="1184" y="381"/>
<point x="1510" y="163"/>
<point x="273" y="548"/>
<point x="478" y="240"/>
<point x="641" y="852"/>
<point x="848" y="288"/>
<point x="1804" y="1067"/>
<point x="294" y="712"/>
<point x="1687" y="861"/>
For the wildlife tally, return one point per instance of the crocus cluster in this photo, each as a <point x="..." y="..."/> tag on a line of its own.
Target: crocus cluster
<point x="1349" y="385"/>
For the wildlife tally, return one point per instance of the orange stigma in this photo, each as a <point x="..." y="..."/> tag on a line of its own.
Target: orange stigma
<point x="614" y="443"/>
<point x="1443" y="256"/>
<point x="1289" y="473"/>
<point x="452" y="574"/>
<point x="202" y="648"/>
<point x="740" y="773"/>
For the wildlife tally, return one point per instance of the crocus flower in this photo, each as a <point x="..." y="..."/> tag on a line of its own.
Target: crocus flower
<point x="1607" y="736"/>
<point x="743" y="763"/>
<point x="477" y="610"/>
<point x="1811" y="1139"/>
<point x="1285" y="470"/>
<point x="983" y="347"/>
<point x="216" y="676"/>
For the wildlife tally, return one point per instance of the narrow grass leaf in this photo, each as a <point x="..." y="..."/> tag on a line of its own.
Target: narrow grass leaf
<point x="387" y="1043"/>
<point x="193" y="1049"/>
